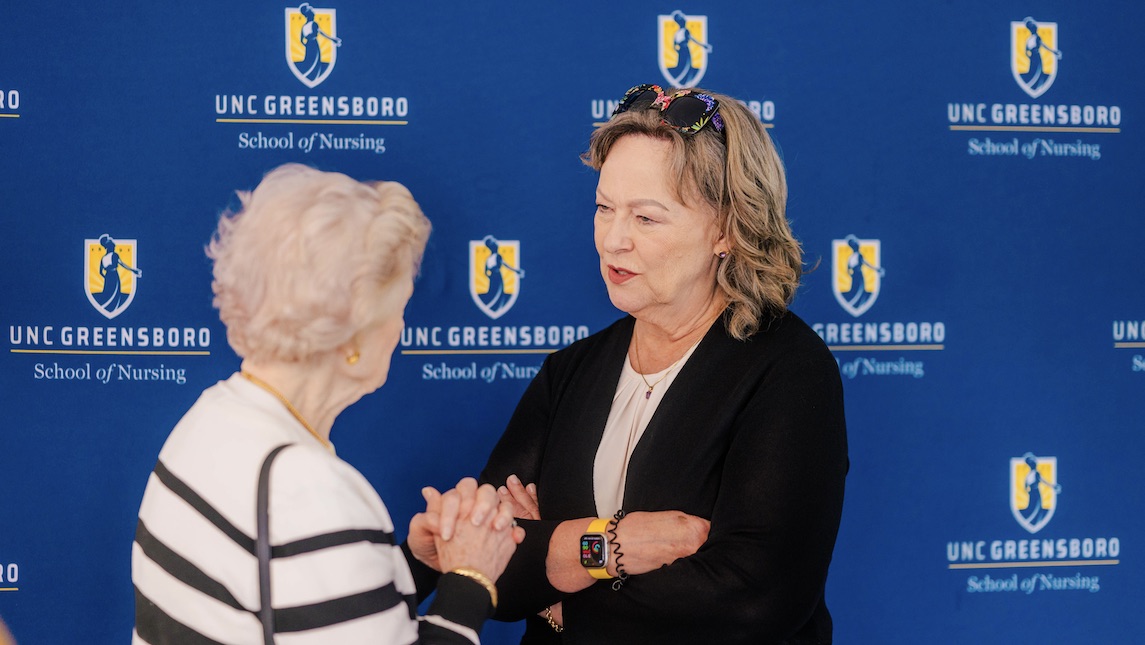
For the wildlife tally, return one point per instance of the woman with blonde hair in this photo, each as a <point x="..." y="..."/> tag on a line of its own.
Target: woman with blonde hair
<point x="251" y="528"/>
<point x="681" y="472"/>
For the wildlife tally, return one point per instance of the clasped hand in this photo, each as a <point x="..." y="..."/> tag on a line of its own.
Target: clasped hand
<point x="465" y="527"/>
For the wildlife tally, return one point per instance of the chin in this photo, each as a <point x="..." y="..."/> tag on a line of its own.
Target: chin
<point x="621" y="303"/>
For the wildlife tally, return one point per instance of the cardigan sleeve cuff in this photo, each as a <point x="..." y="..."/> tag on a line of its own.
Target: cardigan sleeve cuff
<point x="524" y="587"/>
<point x="461" y="600"/>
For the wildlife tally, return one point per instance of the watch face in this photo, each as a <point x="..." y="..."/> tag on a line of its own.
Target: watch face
<point x="592" y="554"/>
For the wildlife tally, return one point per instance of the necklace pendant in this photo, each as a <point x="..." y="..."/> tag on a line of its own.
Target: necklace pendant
<point x="648" y="394"/>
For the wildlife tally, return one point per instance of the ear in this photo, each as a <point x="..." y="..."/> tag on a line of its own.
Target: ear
<point x="721" y="245"/>
<point x="349" y="358"/>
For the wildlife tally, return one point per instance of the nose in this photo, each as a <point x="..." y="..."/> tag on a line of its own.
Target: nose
<point x="614" y="234"/>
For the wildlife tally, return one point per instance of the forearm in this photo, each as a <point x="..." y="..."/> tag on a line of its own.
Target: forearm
<point x="746" y="586"/>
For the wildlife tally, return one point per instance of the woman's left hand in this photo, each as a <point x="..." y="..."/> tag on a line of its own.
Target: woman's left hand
<point x="521" y="498"/>
<point x="651" y="540"/>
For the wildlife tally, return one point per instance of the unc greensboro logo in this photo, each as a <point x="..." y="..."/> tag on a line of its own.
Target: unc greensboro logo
<point x="495" y="274"/>
<point x="683" y="48"/>
<point x="110" y="274"/>
<point x="1034" y="55"/>
<point x="311" y="43"/>
<point x="857" y="273"/>
<point x="1033" y="490"/>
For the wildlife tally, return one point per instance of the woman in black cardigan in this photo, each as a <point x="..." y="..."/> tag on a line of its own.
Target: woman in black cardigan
<point x="680" y="474"/>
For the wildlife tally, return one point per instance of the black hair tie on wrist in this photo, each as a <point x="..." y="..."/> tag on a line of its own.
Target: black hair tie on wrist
<point x="621" y="574"/>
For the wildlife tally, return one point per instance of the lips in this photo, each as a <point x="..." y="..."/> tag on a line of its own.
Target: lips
<point x="620" y="275"/>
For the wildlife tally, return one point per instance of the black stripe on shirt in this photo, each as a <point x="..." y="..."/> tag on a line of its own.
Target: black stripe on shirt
<point x="156" y="627"/>
<point x="201" y="505"/>
<point x="411" y="604"/>
<point x="338" y="610"/>
<point x="328" y="540"/>
<point x="183" y="569"/>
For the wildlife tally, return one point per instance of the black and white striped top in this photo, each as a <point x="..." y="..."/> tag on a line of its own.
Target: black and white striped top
<point x="336" y="574"/>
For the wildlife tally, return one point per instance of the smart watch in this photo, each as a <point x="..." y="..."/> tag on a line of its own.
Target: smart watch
<point x="594" y="549"/>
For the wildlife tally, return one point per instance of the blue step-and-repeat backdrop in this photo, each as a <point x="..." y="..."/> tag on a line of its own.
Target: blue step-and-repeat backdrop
<point x="979" y="164"/>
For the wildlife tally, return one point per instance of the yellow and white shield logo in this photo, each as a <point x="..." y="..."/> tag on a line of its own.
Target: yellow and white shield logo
<point x="110" y="274"/>
<point x="857" y="273"/>
<point x="1034" y="55"/>
<point x="683" y="48"/>
<point x="494" y="274"/>
<point x="1033" y="490"/>
<point x="311" y="43"/>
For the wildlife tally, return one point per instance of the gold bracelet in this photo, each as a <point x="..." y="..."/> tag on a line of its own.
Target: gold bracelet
<point x="552" y="622"/>
<point x="481" y="578"/>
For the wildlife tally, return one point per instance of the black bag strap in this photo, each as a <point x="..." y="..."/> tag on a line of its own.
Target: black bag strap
<point x="266" y="611"/>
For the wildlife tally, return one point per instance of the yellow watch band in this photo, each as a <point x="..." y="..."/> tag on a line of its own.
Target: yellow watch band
<point x="599" y="525"/>
<point x="600" y="574"/>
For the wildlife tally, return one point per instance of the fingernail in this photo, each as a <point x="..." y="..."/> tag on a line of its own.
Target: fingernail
<point x="502" y="491"/>
<point x="513" y="479"/>
<point x="532" y="488"/>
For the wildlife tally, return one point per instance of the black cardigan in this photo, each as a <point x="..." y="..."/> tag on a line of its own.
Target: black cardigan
<point x="751" y="435"/>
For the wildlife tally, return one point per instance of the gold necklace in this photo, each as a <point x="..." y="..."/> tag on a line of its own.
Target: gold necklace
<point x="266" y="386"/>
<point x="650" y="386"/>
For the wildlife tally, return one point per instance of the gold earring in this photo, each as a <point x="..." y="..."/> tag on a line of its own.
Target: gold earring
<point x="352" y="359"/>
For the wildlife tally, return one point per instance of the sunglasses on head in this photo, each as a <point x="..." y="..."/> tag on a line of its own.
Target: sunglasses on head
<point x="685" y="110"/>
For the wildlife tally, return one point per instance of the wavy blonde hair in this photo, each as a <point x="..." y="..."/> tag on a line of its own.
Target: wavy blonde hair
<point x="739" y="175"/>
<point x="311" y="259"/>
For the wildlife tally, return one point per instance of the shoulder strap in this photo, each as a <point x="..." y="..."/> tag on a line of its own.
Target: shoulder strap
<point x="266" y="611"/>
